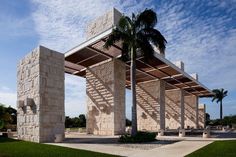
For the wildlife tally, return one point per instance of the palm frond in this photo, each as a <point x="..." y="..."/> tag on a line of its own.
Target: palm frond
<point x="125" y="23"/>
<point x="145" y="46"/>
<point x="156" y="38"/>
<point x="125" y="55"/>
<point x="213" y="99"/>
<point x="147" y="18"/>
<point x="114" y="37"/>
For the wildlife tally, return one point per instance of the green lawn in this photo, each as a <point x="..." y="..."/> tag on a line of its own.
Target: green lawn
<point x="15" y="148"/>
<point x="216" y="149"/>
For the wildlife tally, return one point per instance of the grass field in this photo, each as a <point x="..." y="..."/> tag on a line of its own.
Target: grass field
<point x="15" y="148"/>
<point x="216" y="149"/>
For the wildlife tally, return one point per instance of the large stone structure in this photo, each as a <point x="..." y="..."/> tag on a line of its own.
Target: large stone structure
<point x="174" y="109"/>
<point x="40" y="95"/>
<point x="40" y="84"/>
<point x="103" y="23"/>
<point x="191" y="111"/>
<point x="151" y="105"/>
<point x="105" y="88"/>
<point x="202" y="116"/>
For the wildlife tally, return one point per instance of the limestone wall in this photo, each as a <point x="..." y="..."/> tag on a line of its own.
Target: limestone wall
<point x="202" y="116"/>
<point x="149" y="97"/>
<point x="191" y="111"/>
<point x="103" y="23"/>
<point x="105" y="88"/>
<point x="40" y="95"/>
<point x="173" y="101"/>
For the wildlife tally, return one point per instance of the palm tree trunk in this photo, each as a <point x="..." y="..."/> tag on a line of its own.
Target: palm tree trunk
<point x="221" y="110"/>
<point x="133" y="90"/>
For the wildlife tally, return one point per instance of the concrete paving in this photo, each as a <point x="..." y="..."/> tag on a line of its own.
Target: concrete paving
<point x="106" y="144"/>
<point x="178" y="149"/>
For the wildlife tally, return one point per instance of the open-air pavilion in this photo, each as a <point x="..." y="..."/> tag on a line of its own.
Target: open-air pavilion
<point x="167" y="96"/>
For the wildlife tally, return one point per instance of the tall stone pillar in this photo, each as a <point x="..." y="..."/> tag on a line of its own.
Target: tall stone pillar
<point x="191" y="111"/>
<point x="202" y="116"/>
<point x="151" y="105"/>
<point x="40" y="96"/>
<point x="105" y="88"/>
<point x="175" y="109"/>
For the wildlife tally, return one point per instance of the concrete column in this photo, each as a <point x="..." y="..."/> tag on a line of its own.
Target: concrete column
<point x="161" y="95"/>
<point x="182" y="109"/>
<point x="197" y="114"/>
<point x="191" y="111"/>
<point x="105" y="88"/>
<point x="202" y="116"/>
<point x="40" y="96"/>
<point x="174" y="109"/>
<point x="151" y="105"/>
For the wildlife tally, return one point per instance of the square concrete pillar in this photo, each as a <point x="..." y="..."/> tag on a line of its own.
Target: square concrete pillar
<point x="202" y="116"/>
<point x="151" y="105"/>
<point x="105" y="88"/>
<point x="174" y="109"/>
<point x="191" y="111"/>
<point x="40" y="96"/>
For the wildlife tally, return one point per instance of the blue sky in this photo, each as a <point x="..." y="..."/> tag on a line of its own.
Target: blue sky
<point x="201" y="33"/>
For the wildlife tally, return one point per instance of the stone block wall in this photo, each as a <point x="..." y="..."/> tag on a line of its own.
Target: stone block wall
<point x="105" y="88"/>
<point x="40" y="95"/>
<point x="103" y="23"/>
<point x="202" y="116"/>
<point x="191" y="111"/>
<point x="150" y="105"/>
<point x="174" y="109"/>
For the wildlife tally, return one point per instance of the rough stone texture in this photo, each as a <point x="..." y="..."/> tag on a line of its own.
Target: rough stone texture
<point x="40" y="95"/>
<point x="103" y="23"/>
<point x="151" y="105"/>
<point x="191" y="111"/>
<point x="105" y="88"/>
<point x="174" y="109"/>
<point x="202" y="116"/>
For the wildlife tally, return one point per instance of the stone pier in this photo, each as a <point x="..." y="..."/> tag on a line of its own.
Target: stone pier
<point x="40" y="96"/>
<point x="105" y="88"/>
<point x="202" y="116"/>
<point x="191" y="111"/>
<point x="174" y="109"/>
<point x="151" y="105"/>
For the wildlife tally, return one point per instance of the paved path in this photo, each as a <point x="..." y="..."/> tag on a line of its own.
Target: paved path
<point x="178" y="149"/>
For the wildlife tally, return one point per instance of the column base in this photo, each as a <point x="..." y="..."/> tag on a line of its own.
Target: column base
<point x="182" y="133"/>
<point x="161" y="132"/>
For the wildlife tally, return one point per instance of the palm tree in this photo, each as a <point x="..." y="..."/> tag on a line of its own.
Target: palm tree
<point x="219" y="96"/>
<point x="138" y="37"/>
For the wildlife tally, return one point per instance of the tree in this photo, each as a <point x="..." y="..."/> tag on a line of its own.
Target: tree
<point x="7" y="116"/>
<point x="138" y="37"/>
<point x="219" y="95"/>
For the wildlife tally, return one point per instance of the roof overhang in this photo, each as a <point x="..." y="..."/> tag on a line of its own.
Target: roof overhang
<point x="91" y="52"/>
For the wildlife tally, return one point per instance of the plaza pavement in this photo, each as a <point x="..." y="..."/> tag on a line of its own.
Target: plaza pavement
<point x="105" y="144"/>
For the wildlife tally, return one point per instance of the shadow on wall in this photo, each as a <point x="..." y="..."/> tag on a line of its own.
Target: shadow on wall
<point x="189" y="115"/>
<point x="148" y="117"/>
<point x="172" y="110"/>
<point x="100" y="98"/>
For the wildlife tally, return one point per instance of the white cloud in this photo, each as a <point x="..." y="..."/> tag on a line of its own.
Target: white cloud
<point x="7" y="96"/>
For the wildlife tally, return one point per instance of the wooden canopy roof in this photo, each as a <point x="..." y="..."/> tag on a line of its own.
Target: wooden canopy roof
<point x="92" y="52"/>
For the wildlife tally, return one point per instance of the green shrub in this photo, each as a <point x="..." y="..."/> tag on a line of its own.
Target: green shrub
<point x="138" y="138"/>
